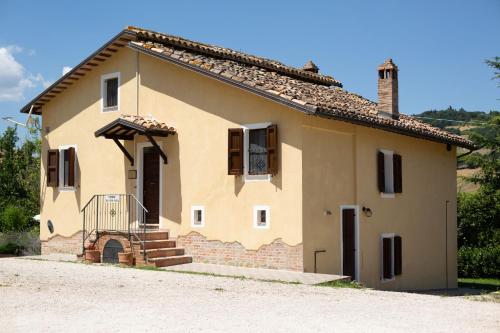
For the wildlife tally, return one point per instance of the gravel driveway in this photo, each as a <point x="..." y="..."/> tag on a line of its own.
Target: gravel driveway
<point x="56" y="296"/>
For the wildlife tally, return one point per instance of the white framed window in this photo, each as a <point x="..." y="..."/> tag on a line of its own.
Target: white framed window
<point x="110" y="92"/>
<point x="390" y="256"/>
<point x="388" y="174"/>
<point x="197" y="216"/>
<point x="255" y="158"/>
<point x="261" y="217"/>
<point x="67" y="167"/>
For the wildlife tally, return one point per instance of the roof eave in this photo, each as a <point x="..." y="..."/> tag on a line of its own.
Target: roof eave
<point x="355" y="120"/>
<point x="26" y="108"/>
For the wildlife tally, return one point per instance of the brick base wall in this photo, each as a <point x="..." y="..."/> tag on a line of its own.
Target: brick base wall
<point x="276" y="255"/>
<point x="62" y="244"/>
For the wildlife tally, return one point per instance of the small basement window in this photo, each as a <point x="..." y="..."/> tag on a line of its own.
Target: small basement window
<point x="261" y="216"/>
<point x="197" y="216"/>
<point x="110" y="92"/>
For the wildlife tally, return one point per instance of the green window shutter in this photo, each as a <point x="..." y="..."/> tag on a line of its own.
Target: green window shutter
<point x="381" y="172"/>
<point x="398" y="255"/>
<point x="387" y="258"/>
<point x="398" y="173"/>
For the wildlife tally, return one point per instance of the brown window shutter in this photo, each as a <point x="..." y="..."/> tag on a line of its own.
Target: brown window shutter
<point x="398" y="173"/>
<point x="235" y="151"/>
<point x="71" y="165"/>
<point x="387" y="258"/>
<point x="272" y="149"/>
<point x="52" y="167"/>
<point x="381" y="172"/>
<point x="398" y="255"/>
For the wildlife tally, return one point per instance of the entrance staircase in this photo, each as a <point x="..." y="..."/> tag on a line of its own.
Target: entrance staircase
<point x="155" y="248"/>
<point x="122" y="216"/>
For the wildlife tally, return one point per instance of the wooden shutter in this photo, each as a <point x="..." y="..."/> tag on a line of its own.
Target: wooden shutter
<point x="272" y="149"/>
<point x="398" y="173"/>
<point x="71" y="165"/>
<point x="235" y="151"/>
<point x="398" y="255"/>
<point x="381" y="172"/>
<point x="53" y="168"/>
<point x="387" y="258"/>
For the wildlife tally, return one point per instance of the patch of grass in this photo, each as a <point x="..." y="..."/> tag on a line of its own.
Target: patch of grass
<point x="341" y="284"/>
<point x="486" y="284"/>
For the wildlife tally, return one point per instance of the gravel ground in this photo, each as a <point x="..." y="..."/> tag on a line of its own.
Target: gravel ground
<point x="45" y="296"/>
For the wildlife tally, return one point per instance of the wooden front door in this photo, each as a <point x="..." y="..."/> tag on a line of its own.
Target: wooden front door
<point x="348" y="243"/>
<point x="151" y="184"/>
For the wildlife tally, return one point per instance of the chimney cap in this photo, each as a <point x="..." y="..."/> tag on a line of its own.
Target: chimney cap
<point x="310" y="67"/>
<point x="388" y="64"/>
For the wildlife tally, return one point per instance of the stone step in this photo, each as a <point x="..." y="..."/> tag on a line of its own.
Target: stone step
<point x="167" y="252"/>
<point x="155" y="244"/>
<point x="153" y="235"/>
<point x="170" y="261"/>
<point x="151" y="226"/>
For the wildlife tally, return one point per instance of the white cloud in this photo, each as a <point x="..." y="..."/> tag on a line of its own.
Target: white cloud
<point x="66" y="69"/>
<point x="14" y="79"/>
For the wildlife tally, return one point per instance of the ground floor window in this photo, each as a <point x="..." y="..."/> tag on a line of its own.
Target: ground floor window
<point x="197" y="216"/>
<point x="390" y="256"/>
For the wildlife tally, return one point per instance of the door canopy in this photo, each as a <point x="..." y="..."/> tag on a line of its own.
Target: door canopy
<point x="128" y="126"/>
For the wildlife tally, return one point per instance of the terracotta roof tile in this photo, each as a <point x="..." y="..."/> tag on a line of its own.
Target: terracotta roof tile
<point x="321" y="95"/>
<point x="148" y="123"/>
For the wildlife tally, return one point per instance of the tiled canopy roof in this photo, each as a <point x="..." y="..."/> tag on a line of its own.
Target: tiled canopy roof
<point x="304" y="90"/>
<point x="148" y="123"/>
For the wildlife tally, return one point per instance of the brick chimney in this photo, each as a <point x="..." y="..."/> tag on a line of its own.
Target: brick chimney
<point x="388" y="89"/>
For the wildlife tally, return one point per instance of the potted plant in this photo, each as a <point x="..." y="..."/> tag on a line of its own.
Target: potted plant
<point x="91" y="254"/>
<point x="126" y="258"/>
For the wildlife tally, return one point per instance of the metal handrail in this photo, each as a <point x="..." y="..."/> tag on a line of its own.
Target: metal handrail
<point x="121" y="213"/>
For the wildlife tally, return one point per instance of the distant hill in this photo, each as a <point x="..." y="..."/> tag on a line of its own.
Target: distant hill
<point x="462" y="122"/>
<point x="462" y="119"/>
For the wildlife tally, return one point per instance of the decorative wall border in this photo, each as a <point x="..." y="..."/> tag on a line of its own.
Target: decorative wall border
<point x="275" y="255"/>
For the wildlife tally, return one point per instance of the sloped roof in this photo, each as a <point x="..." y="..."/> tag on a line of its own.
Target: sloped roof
<point x="306" y="91"/>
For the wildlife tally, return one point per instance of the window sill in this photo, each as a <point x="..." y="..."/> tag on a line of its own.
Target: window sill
<point x="388" y="280"/>
<point x="261" y="226"/>
<point x="257" y="178"/>
<point x="388" y="195"/>
<point x="110" y="109"/>
<point x="197" y="225"/>
<point x="67" y="189"/>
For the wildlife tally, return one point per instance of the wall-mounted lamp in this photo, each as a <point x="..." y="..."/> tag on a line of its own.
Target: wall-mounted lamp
<point x="367" y="211"/>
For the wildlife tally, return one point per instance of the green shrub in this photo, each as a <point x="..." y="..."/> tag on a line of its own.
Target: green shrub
<point x="10" y="248"/>
<point x="476" y="262"/>
<point x="14" y="218"/>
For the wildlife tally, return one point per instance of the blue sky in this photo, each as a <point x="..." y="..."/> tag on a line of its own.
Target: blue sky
<point x="439" y="46"/>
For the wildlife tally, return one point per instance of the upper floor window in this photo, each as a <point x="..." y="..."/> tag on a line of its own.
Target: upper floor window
<point x="61" y="167"/>
<point x="390" y="173"/>
<point x="110" y="95"/>
<point x="253" y="151"/>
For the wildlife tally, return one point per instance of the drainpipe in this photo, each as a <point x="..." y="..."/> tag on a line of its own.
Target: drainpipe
<point x="446" y="239"/>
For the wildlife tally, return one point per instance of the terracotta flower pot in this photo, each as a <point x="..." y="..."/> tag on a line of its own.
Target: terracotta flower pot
<point x="126" y="258"/>
<point x="93" y="256"/>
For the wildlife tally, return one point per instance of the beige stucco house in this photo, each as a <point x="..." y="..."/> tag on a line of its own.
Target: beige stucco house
<point x="179" y="151"/>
